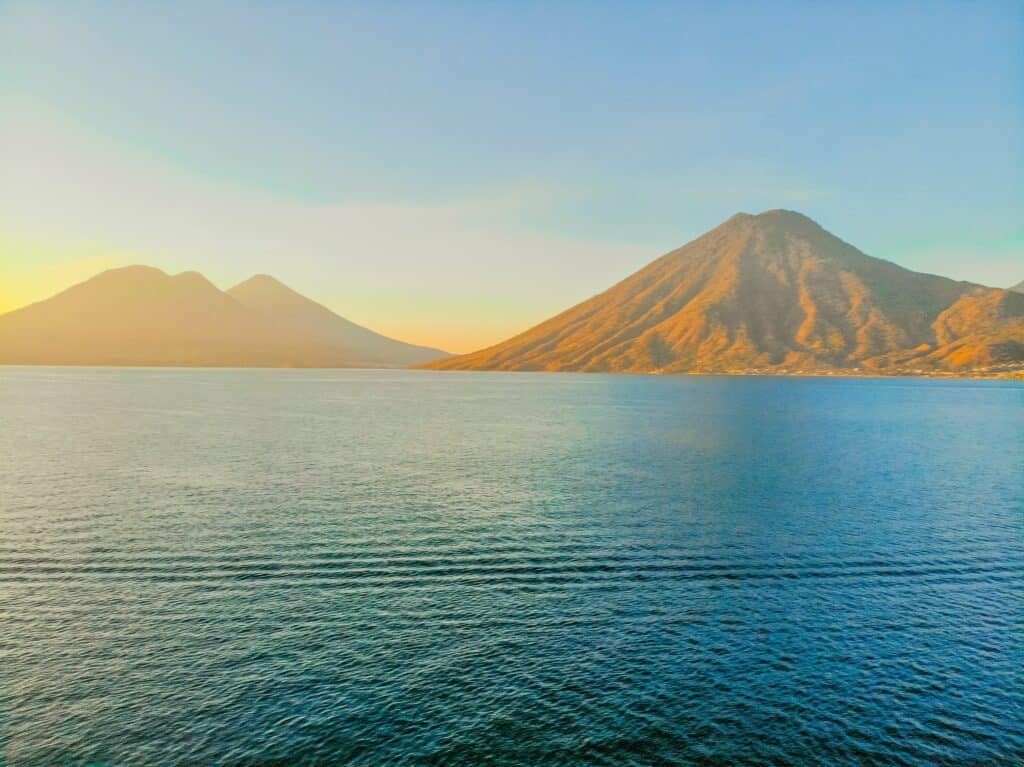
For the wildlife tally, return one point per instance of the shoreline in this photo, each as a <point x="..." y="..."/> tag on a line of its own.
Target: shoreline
<point x="1016" y="374"/>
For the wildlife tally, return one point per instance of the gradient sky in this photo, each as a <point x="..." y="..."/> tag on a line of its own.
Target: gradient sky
<point x="451" y="173"/>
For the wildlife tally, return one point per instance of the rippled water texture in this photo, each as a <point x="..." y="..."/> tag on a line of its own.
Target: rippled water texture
<point x="306" y="567"/>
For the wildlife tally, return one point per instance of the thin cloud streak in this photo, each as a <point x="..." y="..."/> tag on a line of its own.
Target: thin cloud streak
<point x="420" y="272"/>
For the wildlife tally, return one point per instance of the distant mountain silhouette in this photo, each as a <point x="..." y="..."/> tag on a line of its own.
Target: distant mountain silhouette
<point x="139" y="315"/>
<point x="315" y="322"/>
<point x="1018" y="288"/>
<point x="773" y="293"/>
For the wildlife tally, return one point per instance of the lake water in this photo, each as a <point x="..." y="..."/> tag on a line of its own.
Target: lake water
<point x="384" y="568"/>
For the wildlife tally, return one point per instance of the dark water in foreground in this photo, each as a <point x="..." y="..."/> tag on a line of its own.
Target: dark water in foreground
<point x="273" y="567"/>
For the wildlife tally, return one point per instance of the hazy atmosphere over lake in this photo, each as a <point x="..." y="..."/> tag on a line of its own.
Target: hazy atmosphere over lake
<point x="535" y="384"/>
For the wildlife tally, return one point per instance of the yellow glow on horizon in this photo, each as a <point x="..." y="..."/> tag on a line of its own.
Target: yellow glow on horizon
<point x="454" y="321"/>
<point x="33" y="269"/>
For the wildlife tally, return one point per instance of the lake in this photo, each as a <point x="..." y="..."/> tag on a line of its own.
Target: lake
<point x="260" y="567"/>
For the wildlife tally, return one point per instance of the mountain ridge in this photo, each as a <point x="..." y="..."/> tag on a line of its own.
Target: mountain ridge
<point x="770" y="293"/>
<point x="313" y="320"/>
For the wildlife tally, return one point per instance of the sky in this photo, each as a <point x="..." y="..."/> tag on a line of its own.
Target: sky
<point x="451" y="173"/>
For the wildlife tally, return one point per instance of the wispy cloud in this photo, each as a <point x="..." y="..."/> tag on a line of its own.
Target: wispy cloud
<point x="427" y="272"/>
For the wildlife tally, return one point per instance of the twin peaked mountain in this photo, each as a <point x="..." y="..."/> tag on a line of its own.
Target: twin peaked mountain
<point x="139" y="315"/>
<point x="767" y="293"/>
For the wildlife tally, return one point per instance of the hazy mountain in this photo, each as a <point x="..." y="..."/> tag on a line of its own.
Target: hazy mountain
<point x="139" y="315"/>
<point x="315" y="322"/>
<point x="1018" y="288"/>
<point x="772" y="292"/>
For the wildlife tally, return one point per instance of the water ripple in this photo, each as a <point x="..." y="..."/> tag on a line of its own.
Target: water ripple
<point x="206" y="568"/>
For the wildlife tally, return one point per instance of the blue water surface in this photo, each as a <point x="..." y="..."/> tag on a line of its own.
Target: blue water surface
<point x="234" y="567"/>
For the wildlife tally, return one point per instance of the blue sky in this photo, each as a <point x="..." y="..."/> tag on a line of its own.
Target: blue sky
<point x="454" y="172"/>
